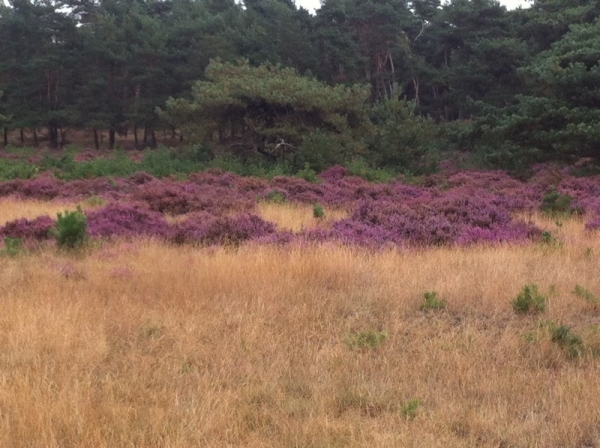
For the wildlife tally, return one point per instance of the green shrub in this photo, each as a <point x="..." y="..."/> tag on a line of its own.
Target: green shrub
<point x="308" y="174"/>
<point x="13" y="246"/>
<point x="529" y="300"/>
<point x="359" y="167"/>
<point x="95" y="201"/>
<point x="366" y="339"/>
<point x="548" y="239"/>
<point x="409" y="410"/>
<point x="16" y="169"/>
<point x="71" y="229"/>
<point x="432" y="301"/>
<point x="275" y="197"/>
<point x="569" y="341"/>
<point x="555" y="203"/>
<point x="318" y="211"/>
<point x="586" y="295"/>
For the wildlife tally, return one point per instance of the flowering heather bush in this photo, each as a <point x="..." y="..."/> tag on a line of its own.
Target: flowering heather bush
<point x="593" y="224"/>
<point x="141" y="178"/>
<point x="512" y="232"/>
<point x="11" y="187"/>
<point x="455" y="207"/>
<point x="208" y="229"/>
<point x="185" y="197"/>
<point x="43" y="187"/>
<point x="126" y="220"/>
<point x="334" y="173"/>
<point x="28" y="229"/>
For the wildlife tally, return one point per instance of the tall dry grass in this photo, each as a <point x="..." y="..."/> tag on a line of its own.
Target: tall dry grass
<point x="148" y="345"/>
<point x="12" y="208"/>
<point x="297" y="217"/>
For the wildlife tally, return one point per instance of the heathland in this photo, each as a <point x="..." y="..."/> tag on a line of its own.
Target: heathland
<point x="458" y="309"/>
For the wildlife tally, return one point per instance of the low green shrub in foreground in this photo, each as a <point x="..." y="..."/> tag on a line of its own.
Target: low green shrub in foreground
<point x="529" y="300"/>
<point x="366" y="339"/>
<point x="431" y="301"/>
<point x="13" y="246"/>
<point x="71" y="229"/>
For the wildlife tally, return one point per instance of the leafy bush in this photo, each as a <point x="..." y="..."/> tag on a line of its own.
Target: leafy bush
<point x="318" y="211"/>
<point x="555" y="203"/>
<point x="586" y="295"/>
<point x="71" y="229"/>
<point x="432" y="301"/>
<point x="529" y="300"/>
<point x="572" y="343"/>
<point x="13" y="246"/>
<point x="16" y="169"/>
<point x="359" y="167"/>
<point x="409" y="410"/>
<point x="308" y="174"/>
<point x="275" y="197"/>
<point x="549" y="239"/>
<point x="366" y="339"/>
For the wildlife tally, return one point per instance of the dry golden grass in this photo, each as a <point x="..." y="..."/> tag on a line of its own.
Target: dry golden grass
<point x="11" y="208"/>
<point x="149" y="345"/>
<point x="297" y="217"/>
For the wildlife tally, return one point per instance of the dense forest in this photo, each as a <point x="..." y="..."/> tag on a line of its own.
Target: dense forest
<point x="395" y="83"/>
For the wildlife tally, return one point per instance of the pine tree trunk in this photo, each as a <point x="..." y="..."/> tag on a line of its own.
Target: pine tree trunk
<point x="135" y="136"/>
<point x="5" y="138"/>
<point x="35" y="137"/>
<point x="22" y="136"/>
<point x="111" y="138"/>
<point x="145" y="136"/>
<point x="153" y="137"/>
<point x="53" y="135"/>
<point x="96" y="141"/>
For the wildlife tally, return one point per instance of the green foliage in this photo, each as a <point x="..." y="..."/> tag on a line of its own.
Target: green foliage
<point x="320" y="150"/>
<point x="276" y="197"/>
<point x="308" y="174"/>
<point x="71" y="229"/>
<point x="359" y="167"/>
<point x="401" y="139"/>
<point x="94" y="201"/>
<point x="572" y="343"/>
<point x="16" y="169"/>
<point x="529" y="300"/>
<point x="555" y="203"/>
<point x="432" y="302"/>
<point x="13" y="246"/>
<point x="586" y="295"/>
<point x="318" y="211"/>
<point x="548" y="239"/>
<point x="556" y="119"/>
<point x="366" y="339"/>
<point x="268" y="109"/>
<point x="410" y="408"/>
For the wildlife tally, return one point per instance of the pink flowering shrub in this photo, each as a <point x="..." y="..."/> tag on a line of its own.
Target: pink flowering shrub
<point x="179" y="198"/>
<point x="28" y="229"/>
<point x="209" y="229"/>
<point x="593" y="224"/>
<point x="126" y="220"/>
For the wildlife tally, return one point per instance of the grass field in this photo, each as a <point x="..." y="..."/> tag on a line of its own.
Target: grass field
<point x="143" y="344"/>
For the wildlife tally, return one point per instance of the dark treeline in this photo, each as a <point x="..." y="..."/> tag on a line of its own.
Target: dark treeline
<point x="513" y="87"/>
